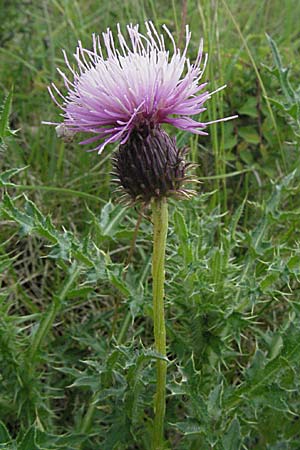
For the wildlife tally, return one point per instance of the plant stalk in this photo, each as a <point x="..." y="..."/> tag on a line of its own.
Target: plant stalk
<point x="160" y="228"/>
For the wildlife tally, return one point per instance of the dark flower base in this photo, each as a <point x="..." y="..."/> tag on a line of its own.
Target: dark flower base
<point x="150" y="165"/>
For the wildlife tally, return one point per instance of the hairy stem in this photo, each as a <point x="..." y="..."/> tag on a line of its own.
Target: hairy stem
<point x="160" y="227"/>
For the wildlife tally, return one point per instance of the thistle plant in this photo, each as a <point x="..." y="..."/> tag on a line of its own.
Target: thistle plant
<point x="123" y="94"/>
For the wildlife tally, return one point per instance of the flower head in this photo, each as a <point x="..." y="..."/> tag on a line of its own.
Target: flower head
<point x="134" y="84"/>
<point x="150" y="165"/>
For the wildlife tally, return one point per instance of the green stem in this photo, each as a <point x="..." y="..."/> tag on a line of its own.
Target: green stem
<point x="160" y="228"/>
<point x="87" y="420"/>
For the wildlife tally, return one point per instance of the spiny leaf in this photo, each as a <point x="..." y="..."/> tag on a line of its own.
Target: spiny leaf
<point x="291" y="103"/>
<point x="8" y="174"/>
<point x="232" y="438"/>
<point x="108" y="223"/>
<point x="282" y="71"/>
<point x="214" y="401"/>
<point x="189" y="427"/>
<point x="262" y="372"/>
<point x="64" y="245"/>
<point x="48" y="441"/>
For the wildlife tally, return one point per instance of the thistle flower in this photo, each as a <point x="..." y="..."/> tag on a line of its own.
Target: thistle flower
<point x="125" y="95"/>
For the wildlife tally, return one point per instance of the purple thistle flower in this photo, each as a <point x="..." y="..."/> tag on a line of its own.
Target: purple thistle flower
<point x="135" y="85"/>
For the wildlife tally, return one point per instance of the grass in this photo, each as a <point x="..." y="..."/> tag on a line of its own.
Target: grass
<point x="77" y="365"/>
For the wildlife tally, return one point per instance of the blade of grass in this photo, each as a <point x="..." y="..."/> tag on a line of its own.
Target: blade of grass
<point x="65" y="191"/>
<point x="235" y="23"/>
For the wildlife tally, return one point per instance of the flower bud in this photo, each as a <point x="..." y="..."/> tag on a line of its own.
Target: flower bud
<point x="150" y="165"/>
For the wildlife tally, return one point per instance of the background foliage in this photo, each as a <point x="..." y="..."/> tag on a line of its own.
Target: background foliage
<point x="76" y="365"/>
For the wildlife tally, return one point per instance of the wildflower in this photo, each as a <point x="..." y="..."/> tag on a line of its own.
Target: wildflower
<point x="125" y="95"/>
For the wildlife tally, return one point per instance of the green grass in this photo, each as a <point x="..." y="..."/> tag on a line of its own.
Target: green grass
<point x="77" y="369"/>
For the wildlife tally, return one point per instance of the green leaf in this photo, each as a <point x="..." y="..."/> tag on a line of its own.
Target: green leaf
<point x="235" y="220"/>
<point x="64" y="245"/>
<point x="249" y="108"/>
<point x="118" y="283"/>
<point x="111" y="216"/>
<point x="249" y="134"/>
<point x="214" y="401"/>
<point x="117" y="436"/>
<point x="258" y="362"/>
<point x="262" y="372"/>
<point x="8" y="174"/>
<point x="90" y="381"/>
<point x="183" y="236"/>
<point x="290" y="109"/>
<point x="180" y="225"/>
<point x="28" y="442"/>
<point x="82" y="292"/>
<point x="136" y="302"/>
<point x="229" y="143"/>
<point x="269" y="280"/>
<point x="48" y="441"/>
<point x="294" y="263"/>
<point x="230" y="140"/>
<point x="189" y="427"/>
<point x="4" y="264"/>
<point x="283" y="72"/>
<point x="4" y="434"/>
<point x="246" y="156"/>
<point x="232" y="437"/>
